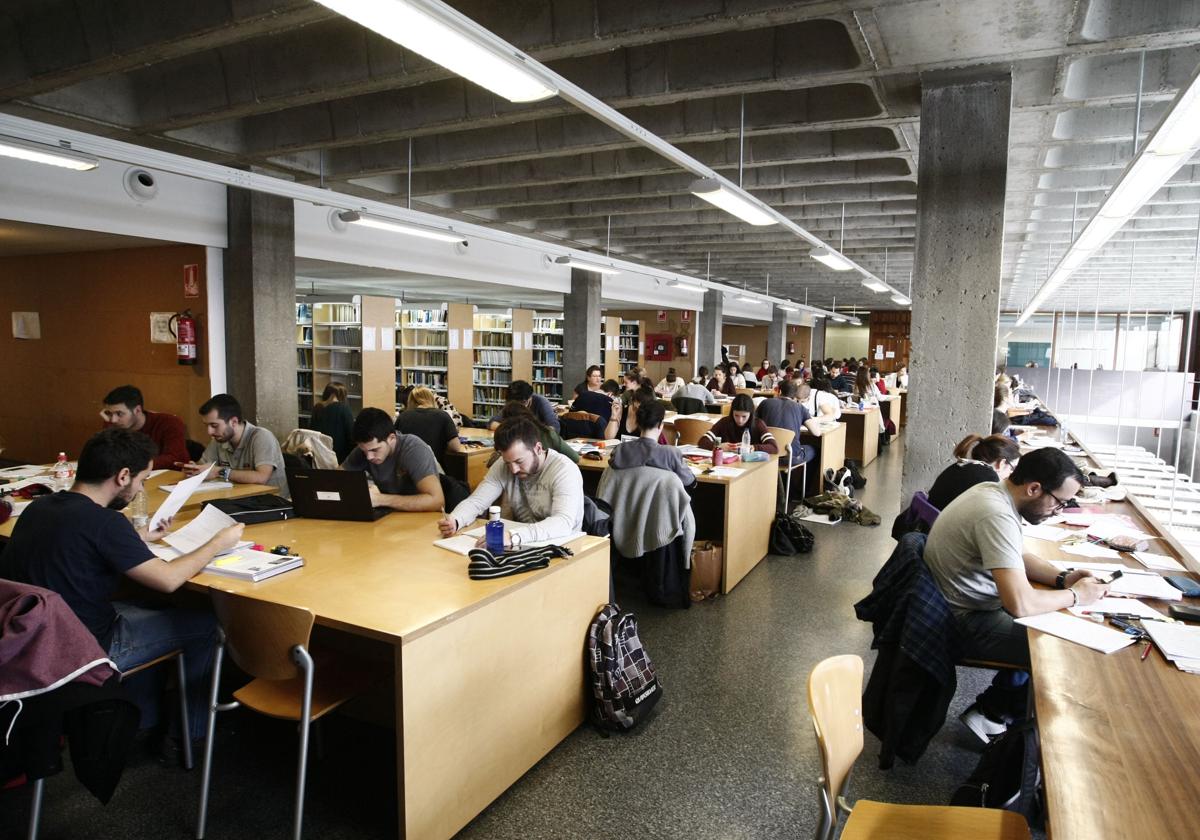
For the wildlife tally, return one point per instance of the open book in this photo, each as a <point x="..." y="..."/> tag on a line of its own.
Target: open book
<point x="464" y="541"/>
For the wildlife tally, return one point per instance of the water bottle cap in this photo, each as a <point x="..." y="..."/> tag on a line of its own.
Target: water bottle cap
<point x="494" y="510"/>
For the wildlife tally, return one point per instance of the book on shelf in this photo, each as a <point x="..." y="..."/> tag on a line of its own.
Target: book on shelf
<point x="497" y="358"/>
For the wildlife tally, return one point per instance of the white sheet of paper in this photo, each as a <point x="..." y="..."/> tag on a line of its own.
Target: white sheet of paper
<point x="1158" y="561"/>
<point x="179" y="496"/>
<point x="453" y="339"/>
<point x="1046" y="532"/>
<point x="203" y="488"/>
<point x="1089" y="550"/>
<point x="692" y="449"/>
<point x="200" y="530"/>
<point x="22" y="471"/>
<point x="1127" y="606"/>
<point x="725" y="472"/>
<point x="820" y="519"/>
<point x="1079" y="630"/>
<point x="1176" y="641"/>
<point x="468" y="339"/>
<point x="1145" y="586"/>
<point x="368" y="338"/>
<point x="516" y="345"/>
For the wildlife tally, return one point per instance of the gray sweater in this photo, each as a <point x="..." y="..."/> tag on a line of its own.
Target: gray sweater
<point x="551" y="502"/>
<point x="650" y="509"/>
<point x="645" y="452"/>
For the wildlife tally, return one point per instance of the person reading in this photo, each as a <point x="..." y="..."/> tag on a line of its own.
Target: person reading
<point x="522" y="392"/>
<point x="331" y="415"/>
<point x="124" y="408"/>
<point x="727" y="432"/>
<point x="78" y="544"/>
<point x="786" y="412"/>
<point x="403" y="471"/>
<point x="541" y="489"/>
<point x="423" y="418"/>
<point x="239" y="451"/>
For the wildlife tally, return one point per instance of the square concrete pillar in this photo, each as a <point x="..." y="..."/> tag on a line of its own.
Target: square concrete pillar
<point x="956" y="272"/>
<point x="260" y="308"/>
<point x="708" y="330"/>
<point x="776" y="336"/>
<point x="581" y="327"/>
<point x="818" y="341"/>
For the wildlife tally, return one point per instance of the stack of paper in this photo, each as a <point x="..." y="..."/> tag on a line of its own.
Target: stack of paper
<point x="464" y="541"/>
<point x="24" y="471"/>
<point x="1046" y="532"/>
<point x="200" y="530"/>
<point x="1120" y="606"/>
<point x="1160" y="562"/>
<point x="204" y="487"/>
<point x="1079" y="630"/>
<point x="252" y="565"/>
<point x="1178" y="642"/>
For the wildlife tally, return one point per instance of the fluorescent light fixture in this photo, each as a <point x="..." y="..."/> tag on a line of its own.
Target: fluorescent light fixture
<point x="856" y="322"/>
<point x="50" y="155"/>
<point x="718" y="195"/>
<point x="1144" y="177"/>
<point x="831" y="259"/>
<point x="353" y="217"/>
<point x="903" y="300"/>
<point x="448" y="41"/>
<point x="586" y="266"/>
<point x="817" y="314"/>
<point x="839" y="318"/>
<point x="687" y="287"/>
<point x="749" y="299"/>
<point x="875" y="285"/>
<point x="787" y="307"/>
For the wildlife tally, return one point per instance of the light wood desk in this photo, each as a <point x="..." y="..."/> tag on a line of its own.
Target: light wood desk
<point x="892" y="405"/>
<point x="488" y="674"/>
<point x="862" y="433"/>
<point x="1119" y="736"/>
<point x="470" y="466"/>
<point x="736" y="512"/>
<point x="831" y="454"/>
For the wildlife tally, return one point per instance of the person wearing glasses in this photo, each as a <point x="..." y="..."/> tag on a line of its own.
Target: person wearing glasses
<point x="975" y="553"/>
<point x="977" y="459"/>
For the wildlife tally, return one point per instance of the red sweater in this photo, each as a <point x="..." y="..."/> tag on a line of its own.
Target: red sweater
<point x="168" y="433"/>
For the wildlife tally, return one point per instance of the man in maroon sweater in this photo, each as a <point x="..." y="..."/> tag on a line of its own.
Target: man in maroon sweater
<point x="125" y="409"/>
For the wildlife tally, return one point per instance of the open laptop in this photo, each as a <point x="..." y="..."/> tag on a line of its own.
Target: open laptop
<point x="332" y="494"/>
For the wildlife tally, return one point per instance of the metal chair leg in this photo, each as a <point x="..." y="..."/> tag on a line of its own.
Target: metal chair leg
<point x="306" y="665"/>
<point x="35" y="808"/>
<point x="184" y="722"/>
<point x="209" y="737"/>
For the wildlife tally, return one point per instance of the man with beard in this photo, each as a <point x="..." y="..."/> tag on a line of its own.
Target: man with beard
<point x="239" y="452"/>
<point x="77" y="544"/>
<point x="975" y="552"/>
<point x="535" y="486"/>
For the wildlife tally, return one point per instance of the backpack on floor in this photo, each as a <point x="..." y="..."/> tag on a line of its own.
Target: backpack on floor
<point x="789" y="536"/>
<point x="1008" y="776"/>
<point x="621" y="676"/>
<point x="839" y="481"/>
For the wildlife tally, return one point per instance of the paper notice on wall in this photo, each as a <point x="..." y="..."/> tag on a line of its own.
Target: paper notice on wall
<point x="453" y="339"/>
<point x="528" y="340"/>
<point x="891" y="354"/>
<point x="516" y="340"/>
<point x="387" y="340"/>
<point x="878" y="354"/>
<point x="369" y="340"/>
<point x="468" y="340"/>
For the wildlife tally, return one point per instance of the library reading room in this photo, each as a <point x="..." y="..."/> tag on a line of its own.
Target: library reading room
<point x="556" y="419"/>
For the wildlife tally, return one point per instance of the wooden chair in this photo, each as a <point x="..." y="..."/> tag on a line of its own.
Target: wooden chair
<point x="690" y="430"/>
<point x="784" y="439"/>
<point x="181" y="678"/>
<point x="270" y="643"/>
<point x="747" y="391"/>
<point x="835" y="704"/>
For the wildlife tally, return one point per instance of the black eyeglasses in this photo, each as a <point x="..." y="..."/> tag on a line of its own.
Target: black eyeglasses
<point x="1062" y="503"/>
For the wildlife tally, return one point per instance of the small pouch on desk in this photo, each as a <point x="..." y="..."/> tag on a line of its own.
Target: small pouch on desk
<point x="1124" y="542"/>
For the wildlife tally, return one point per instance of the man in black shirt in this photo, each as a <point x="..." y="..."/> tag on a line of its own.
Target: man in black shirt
<point x="77" y="544"/>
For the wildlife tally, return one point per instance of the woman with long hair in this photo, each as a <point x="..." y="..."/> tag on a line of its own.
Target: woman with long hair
<point x="331" y="415"/>
<point x="727" y="432"/>
<point x="422" y="417"/>
<point x="977" y="459"/>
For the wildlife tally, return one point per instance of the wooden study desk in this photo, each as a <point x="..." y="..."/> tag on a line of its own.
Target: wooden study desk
<point x="862" y="433"/>
<point x="831" y="453"/>
<point x="1119" y="736"/>
<point x="736" y="512"/>
<point x="488" y="675"/>
<point x="892" y="405"/>
<point x="470" y="466"/>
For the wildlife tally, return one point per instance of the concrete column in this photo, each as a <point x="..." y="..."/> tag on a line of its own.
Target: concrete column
<point x="776" y="336"/>
<point x="818" y="341"/>
<point x="260" y="308"/>
<point x="956" y="272"/>
<point x="708" y="330"/>
<point x="581" y="327"/>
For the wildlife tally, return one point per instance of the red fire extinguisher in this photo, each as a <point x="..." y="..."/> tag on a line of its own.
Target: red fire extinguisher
<point x="185" y="337"/>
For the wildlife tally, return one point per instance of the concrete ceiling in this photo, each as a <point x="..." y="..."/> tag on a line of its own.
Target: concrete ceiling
<point x="831" y="97"/>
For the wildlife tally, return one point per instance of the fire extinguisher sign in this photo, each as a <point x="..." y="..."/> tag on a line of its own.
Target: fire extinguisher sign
<point x="191" y="281"/>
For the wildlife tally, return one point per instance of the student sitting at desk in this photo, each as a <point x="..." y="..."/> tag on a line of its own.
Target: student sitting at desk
<point x="331" y="415"/>
<point x="125" y="409"/>
<point x="671" y="386"/>
<point x="648" y="450"/>
<point x="701" y="377"/>
<point x="543" y="490"/>
<point x="77" y="544"/>
<point x="786" y="412"/>
<point x="423" y="418"/>
<point x="551" y="440"/>
<point x="239" y="452"/>
<point x="600" y="423"/>
<point x="721" y="384"/>
<point x="727" y="432"/>
<point x="699" y="391"/>
<point x="402" y="467"/>
<point x="992" y="458"/>
<point x="976" y="555"/>
<point x="541" y="408"/>
<point x="820" y="400"/>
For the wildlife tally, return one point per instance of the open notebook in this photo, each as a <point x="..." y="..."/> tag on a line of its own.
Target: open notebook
<point x="464" y="541"/>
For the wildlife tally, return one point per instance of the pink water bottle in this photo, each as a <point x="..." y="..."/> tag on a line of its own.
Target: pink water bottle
<point x="718" y="457"/>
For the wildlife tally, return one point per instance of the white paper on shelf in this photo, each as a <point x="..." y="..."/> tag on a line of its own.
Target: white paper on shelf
<point x="1158" y="561"/>
<point x="1175" y="641"/>
<point x="179" y="496"/>
<point x="1079" y="630"/>
<point x="516" y="340"/>
<point x="1046" y="532"/>
<point x="203" y="488"/>
<point x="1090" y="550"/>
<point x="200" y="530"/>
<point x="1123" y="606"/>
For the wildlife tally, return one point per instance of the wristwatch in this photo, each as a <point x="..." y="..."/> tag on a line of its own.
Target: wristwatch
<point x="1060" y="582"/>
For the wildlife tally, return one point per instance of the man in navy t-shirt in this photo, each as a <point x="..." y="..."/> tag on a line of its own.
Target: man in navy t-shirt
<point x="78" y="544"/>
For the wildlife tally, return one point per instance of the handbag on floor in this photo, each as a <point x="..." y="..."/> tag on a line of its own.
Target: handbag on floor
<point x="706" y="571"/>
<point x="790" y="537"/>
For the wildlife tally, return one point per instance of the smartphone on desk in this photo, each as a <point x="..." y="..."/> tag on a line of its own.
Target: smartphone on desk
<point x="1184" y="612"/>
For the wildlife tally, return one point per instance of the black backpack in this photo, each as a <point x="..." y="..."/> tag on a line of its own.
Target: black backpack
<point x="856" y="476"/>
<point x="790" y="537"/>
<point x="621" y="677"/>
<point x="1008" y="776"/>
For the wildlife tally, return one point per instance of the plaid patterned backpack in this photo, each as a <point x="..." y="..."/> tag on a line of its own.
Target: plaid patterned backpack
<point x="620" y="673"/>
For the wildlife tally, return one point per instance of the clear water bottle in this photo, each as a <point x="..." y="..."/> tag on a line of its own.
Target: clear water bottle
<point x="745" y="447"/>
<point x="138" y="512"/>
<point x="62" y="473"/>
<point x="1063" y="435"/>
<point x="494" y="531"/>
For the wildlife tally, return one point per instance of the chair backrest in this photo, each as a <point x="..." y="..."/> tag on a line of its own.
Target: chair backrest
<point x="687" y="405"/>
<point x="783" y="440"/>
<point x="261" y="635"/>
<point x="835" y="703"/>
<point x="925" y="511"/>
<point x="690" y="430"/>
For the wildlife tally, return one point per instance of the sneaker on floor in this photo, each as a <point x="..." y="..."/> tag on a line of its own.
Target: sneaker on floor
<point x="985" y="728"/>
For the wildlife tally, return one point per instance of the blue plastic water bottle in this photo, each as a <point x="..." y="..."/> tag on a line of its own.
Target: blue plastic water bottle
<point x="494" y="531"/>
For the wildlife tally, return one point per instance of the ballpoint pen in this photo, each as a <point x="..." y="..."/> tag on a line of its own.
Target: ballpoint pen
<point x="1146" y="651"/>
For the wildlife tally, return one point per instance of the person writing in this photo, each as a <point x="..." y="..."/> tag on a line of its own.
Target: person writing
<point x="978" y="459"/>
<point x="403" y="471"/>
<point x="543" y="490"/>
<point x="239" y="452"/>
<point x="786" y="412"/>
<point x="975" y="553"/>
<point x="720" y="384"/>
<point x="541" y="408"/>
<point x="125" y="409"/>
<point x="727" y="432"/>
<point x="331" y="415"/>
<point x="671" y="386"/>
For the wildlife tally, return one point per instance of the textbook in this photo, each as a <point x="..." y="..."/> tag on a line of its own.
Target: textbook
<point x="248" y="564"/>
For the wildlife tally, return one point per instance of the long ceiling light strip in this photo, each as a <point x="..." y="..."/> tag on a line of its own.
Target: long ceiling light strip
<point x="1172" y="145"/>
<point x="586" y="266"/>
<point x="354" y="217"/>
<point x="14" y="147"/>
<point x="436" y="31"/>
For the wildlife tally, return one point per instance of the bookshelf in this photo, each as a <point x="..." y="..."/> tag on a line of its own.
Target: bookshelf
<point x="492" y="371"/>
<point x="304" y="363"/>
<point x="337" y="354"/>
<point x="422" y="349"/>
<point x="629" y="349"/>
<point x="547" y="362"/>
